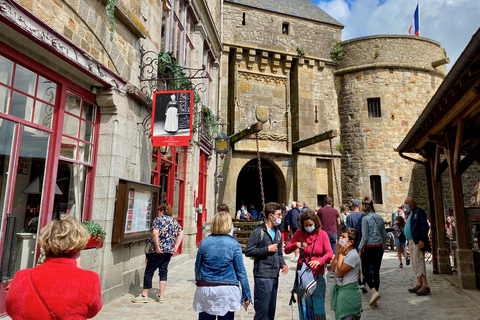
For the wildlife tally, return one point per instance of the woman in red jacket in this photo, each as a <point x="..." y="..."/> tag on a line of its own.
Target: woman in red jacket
<point x="57" y="285"/>
<point x="318" y="252"/>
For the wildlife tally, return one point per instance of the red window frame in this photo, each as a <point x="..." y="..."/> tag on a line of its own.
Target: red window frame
<point x="53" y="156"/>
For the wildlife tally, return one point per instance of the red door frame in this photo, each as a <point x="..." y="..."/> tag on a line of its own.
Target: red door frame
<point x="202" y="195"/>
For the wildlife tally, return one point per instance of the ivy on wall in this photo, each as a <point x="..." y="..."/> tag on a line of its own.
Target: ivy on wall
<point x="111" y="16"/>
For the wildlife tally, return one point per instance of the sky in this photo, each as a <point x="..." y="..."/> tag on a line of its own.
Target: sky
<point x="450" y="22"/>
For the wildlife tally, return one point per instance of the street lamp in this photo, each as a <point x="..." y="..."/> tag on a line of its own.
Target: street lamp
<point x="220" y="177"/>
<point x="222" y="145"/>
<point x="163" y="150"/>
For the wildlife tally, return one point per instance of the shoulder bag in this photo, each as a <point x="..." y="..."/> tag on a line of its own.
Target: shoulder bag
<point x="52" y="315"/>
<point x="306" y="283"/>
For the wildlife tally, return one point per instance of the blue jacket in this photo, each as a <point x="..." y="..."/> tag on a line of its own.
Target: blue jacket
<point x="373" y="231"/>
<point x="220" y="260"/>
<point x="293" y="219"/>
<point x="419" y="225"/>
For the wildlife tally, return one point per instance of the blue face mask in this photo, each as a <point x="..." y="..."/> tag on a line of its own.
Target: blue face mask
<point x="300" y="208"/>
<point x="407" y="208"/>
<point x="309" y="229"/>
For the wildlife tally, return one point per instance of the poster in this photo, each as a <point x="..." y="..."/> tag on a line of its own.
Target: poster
<point x="172" y="118"/>
<point x="139" y="211"/>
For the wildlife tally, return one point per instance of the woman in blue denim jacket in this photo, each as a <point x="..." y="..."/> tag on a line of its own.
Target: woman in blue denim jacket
<point x="219" y="270"/>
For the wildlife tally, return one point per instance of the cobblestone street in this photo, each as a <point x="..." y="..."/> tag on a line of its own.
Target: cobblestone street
<point x="445" y="302"/>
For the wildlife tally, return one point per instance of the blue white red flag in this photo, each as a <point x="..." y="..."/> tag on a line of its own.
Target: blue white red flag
<point x="415" y="26"/>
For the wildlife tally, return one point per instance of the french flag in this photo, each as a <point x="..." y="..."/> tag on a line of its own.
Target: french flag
<point x="415" y="26"/>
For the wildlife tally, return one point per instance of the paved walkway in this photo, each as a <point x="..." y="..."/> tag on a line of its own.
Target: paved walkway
<point x="445" y="302"/>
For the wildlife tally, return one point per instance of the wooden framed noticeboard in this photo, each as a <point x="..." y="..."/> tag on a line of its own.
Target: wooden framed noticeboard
<point x="135" y="209"/>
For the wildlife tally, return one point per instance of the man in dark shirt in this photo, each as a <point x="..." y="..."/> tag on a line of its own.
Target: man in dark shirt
<point x="330" y="220"/>
<point x="293" y="221"/>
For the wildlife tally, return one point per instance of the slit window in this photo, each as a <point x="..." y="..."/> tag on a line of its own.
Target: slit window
<point x="285" y="28"/>
<point x="374" y="110"/>
<point x="376" y="188"/>
<point x="243" y="19"/>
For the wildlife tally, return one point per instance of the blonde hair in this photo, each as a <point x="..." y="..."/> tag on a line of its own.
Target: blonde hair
<point x="222" y="223"/>
<point x="343" y="208"/>
<point x="166" y="208"/>
<point x="64" y="237"/>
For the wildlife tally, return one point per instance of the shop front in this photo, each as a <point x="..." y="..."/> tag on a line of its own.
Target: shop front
<point x="48" y="141"/>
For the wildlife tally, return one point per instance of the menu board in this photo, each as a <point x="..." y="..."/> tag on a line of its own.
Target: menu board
<point x="135" y="210"/>
<point x="139" y="211"/>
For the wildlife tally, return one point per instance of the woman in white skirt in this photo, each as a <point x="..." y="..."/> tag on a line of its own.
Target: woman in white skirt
<point x="219" y="271"/>
<point x="171" y="116"/>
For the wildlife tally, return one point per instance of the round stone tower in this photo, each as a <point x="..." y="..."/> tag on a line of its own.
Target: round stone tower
<point x="383" y="84"/>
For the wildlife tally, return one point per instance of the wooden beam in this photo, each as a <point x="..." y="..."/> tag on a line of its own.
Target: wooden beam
<point x="313" y="140"/>
<point x="436" y="164"/>
<point x="439" y="139"/>
<point x="469" y="159"/>
<point x="245" y="133"/>
<point x="458" y="146"/>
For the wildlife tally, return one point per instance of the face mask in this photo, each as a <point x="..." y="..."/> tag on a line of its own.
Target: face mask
<point x="407" y="208"/>
<point x="300" y="208"/>
<point x="309" y="229"/>
<point x="342" y="242"/>
<point x="277" y="221"/>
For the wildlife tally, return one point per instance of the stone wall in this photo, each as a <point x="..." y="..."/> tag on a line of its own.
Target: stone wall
<point x="369" y="143"/>
<point x="264" y="29"/>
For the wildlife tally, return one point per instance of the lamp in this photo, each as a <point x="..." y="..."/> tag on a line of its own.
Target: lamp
<point x="222" y="144"/>
<point x="163" y="150"/>
<point x="220" y="177"/>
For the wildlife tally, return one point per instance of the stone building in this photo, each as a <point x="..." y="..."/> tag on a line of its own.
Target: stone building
<point x="383" y="84"/>
<point x="74" y="122"/>
<point x="274" y="71"/>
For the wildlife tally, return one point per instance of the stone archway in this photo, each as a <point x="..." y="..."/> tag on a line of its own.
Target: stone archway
<point x="248" y="184"/>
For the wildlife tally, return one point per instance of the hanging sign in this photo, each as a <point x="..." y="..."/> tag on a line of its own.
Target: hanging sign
<point x="172" y="118"/>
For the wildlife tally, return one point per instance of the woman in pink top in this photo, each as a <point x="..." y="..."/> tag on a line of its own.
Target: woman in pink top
<point x="318" y="253"/>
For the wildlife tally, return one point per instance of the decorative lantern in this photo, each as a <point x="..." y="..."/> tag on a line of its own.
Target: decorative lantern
<point x="222" y="145"/>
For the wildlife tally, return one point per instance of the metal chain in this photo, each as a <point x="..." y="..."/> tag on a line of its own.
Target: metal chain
<point x="335" y="173"/>
<point x="260" y="171"/>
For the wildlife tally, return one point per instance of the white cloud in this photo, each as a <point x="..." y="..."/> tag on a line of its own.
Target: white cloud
<point x="451" y="22"/>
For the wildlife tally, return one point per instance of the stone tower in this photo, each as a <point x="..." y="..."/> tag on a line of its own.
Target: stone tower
<point x="383" y="84"/>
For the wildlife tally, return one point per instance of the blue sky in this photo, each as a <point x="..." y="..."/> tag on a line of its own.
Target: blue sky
<point x="451" y="22"/>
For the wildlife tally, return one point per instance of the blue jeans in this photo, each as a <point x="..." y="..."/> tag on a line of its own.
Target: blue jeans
<point x="205" y="316"/>
<point x="156" y="261"/>
<point x="333" y="242"/>
<point x="265" y="298"/>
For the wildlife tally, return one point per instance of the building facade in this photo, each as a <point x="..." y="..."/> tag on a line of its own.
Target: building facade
<point x="74" y="121"/>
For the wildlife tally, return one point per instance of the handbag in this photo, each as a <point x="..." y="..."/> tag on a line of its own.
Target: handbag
<point x="402" y="238"/>
<point x="306" y="283"/>
<point x="52" y="315"/>
<point x="148" y="246"/>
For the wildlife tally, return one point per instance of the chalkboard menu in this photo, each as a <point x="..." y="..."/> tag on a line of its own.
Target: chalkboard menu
<point x="135" y="209"/>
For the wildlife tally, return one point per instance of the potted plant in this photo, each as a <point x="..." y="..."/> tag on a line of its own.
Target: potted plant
<point x="97" y="234"/>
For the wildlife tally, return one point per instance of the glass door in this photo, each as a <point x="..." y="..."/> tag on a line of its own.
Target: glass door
<point x="23" y="155"/>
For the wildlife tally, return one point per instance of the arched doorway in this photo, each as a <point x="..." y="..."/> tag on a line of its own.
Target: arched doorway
<point x="248" y="185"/>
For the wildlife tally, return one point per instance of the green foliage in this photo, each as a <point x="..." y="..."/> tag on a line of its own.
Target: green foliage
<point x="111" y="16"/>
<point x="95" y="230"/>
<point x="41" y="257"/>
<point x="301" y="51"/>
<point x="169" y="68"/>
<point x="337" y="52"/>
<point x="377" y="54"/>
<point x="339" y="147"/>
<point x="210" y="121"/>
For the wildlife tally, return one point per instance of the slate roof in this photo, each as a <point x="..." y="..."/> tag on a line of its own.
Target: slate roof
<point x="298" y="8"/>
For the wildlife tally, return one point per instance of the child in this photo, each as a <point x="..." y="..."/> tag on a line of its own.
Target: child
<point x="346" y="297"/>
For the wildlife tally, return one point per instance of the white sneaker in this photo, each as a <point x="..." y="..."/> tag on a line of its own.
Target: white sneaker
<point x="374" y="299"/>
<point x="139" y="299"/>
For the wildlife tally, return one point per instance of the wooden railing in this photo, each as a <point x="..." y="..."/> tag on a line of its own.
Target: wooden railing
<point x="244" y="230"/>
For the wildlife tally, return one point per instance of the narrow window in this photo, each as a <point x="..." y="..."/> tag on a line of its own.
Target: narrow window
<point x="376" y="187"/>
<point x="243" y="19"/>
<point x="374" y="110"/>
<point x="285" y="28"/>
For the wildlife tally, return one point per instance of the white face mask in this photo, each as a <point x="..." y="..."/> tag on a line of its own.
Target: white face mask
<point x="277" y="221"/>
<point x="342" y="242"/>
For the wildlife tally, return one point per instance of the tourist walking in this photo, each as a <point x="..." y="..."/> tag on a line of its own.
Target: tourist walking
<point x="371" y="247"/>
<point x="317" y="252"/>
<point x="416" y="231"/>
<point x="293" y="222"/>
<point x="264" y="245"/>
<point x="346" y="297"/>
<point x="354" y="220"/>
<point x="56" y="287"/>
<point x="330" y="219"/>
<point x="219" y="270"/>
<point x="400" y="239"/>
<point x="167" y="236"/>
